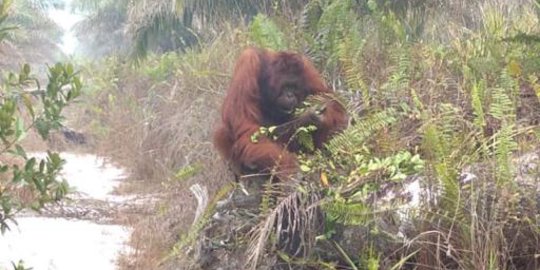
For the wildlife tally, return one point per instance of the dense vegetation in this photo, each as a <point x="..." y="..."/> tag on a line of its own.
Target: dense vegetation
<point x="441" y="92"/>
<point x="437" y="89"/>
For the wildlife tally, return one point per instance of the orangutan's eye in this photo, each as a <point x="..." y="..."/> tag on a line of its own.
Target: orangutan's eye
<point x="291" y="89"/>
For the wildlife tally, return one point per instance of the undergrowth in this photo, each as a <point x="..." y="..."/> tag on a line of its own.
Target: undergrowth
<point x="437" y="95"/>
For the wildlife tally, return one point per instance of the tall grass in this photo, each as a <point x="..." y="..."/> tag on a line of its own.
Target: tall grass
<point x="157" y="120"/>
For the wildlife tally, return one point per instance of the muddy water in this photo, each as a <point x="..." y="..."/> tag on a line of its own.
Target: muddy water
<point x="80" y="234"/>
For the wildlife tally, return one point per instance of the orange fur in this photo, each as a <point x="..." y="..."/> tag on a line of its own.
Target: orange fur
<point x="243" y="114"/>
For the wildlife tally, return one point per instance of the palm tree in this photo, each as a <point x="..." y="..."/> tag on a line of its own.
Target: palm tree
<point x="102" y="31"/>
<point x="33" y="37"/>
<point x="167" y="25"/>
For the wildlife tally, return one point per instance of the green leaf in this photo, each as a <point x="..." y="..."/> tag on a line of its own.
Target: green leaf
<point x="77" y="83"/>
<point x="20" y="132"/>
<point x="28" y="104"/>
<point x="69" y="69"/>
<point x="26" y="70"/>
<point x="20" y="151"/>
<point x="255" y="137"/>
<point x="43" y="128"/>
<point x="42" y="166"/>
<point x="55" y="158"/>
<point x="17" y="174"/>
<point x="29" y="166"/>
<point x="12" y="78"/>
<point x="39" y="185"/>
<point x="305" y="168"/>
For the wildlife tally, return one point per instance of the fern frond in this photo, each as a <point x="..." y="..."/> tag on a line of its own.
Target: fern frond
<point x="265" y="33"/>
<point x="333" y="25"/>
<point x="504" y="146"/>
<point x="354" y="137"/>
<point x="310" y="15"/>
<point x="346" y="213"/>
<point x="188" y="171"/>
<point x="449" y="119"/>
<point x="477" y="98"/>
<point x="442" y="163"/>
<point x="350" y="57"/>
<point x="400" y="77"/>
<point x="502" y="107"/>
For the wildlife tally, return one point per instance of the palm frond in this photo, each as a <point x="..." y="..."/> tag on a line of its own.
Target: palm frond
<point x="157" y="25"/>
<point x="293" y="222"/>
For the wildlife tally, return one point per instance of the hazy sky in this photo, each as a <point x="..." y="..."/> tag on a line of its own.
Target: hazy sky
<point x="66" y="20"/>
